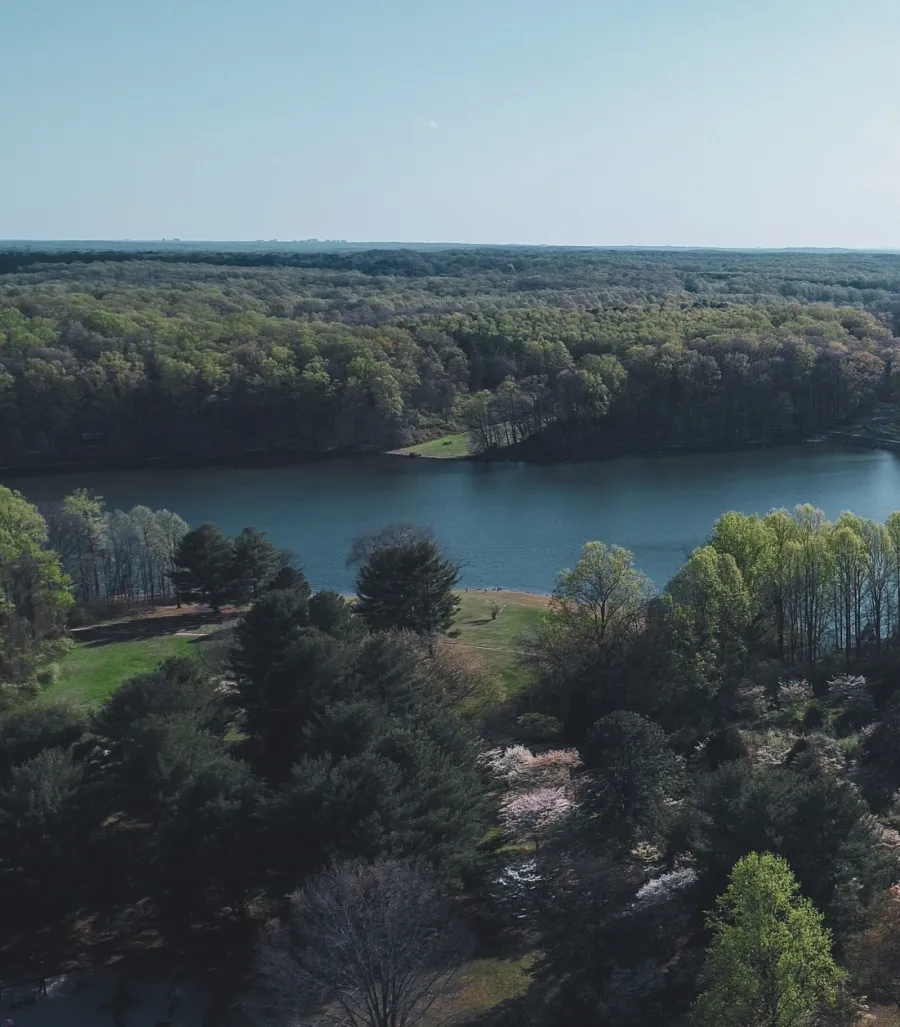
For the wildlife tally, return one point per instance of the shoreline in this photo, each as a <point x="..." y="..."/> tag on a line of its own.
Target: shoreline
<point x="299" y="458"/>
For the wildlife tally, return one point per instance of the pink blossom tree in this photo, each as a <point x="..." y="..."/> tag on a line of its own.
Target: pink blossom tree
<point x="536" y="814"/>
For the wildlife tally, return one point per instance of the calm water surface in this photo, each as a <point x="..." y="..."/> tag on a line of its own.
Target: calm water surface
<point x="512" y="525"/>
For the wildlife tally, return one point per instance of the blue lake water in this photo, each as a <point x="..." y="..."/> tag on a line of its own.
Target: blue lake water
<point x="512" y="525"/>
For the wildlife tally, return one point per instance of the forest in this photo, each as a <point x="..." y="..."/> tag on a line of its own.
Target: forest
<point x="687" y="812"/>
<point x="128" y="356"/>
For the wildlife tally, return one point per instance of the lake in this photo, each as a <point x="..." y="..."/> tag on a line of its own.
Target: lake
<point x="512" y="525"/>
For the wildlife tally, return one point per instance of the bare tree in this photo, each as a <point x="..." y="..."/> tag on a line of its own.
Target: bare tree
<point x="367" y="945"/>
<point x="391" y="536"/>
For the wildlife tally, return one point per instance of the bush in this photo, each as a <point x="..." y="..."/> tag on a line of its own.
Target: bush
<point x="726" y="745"/>
<point x="28" y="731"/>
<point x="814" y="717"/>
<point x="536" y="727"/>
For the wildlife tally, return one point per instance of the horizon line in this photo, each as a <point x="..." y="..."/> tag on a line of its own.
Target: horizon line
<point x="409" y="244"/>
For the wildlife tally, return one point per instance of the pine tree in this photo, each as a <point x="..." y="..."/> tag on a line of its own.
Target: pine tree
<point x="408" y="586"/>
<point x="256" y="563"/>
<point x="205" y="568"/>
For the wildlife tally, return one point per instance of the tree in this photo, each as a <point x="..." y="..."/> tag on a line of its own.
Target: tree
<point x="819" y="824"/>
<point x="331" y="613"/>
<point x="534" y="815"/>
<point x="284" y="670"/>
<point x="290" y="579"/>
<point x="42" y="822"/>
<point x="631" y="772"/>
<point x="178" y="687"/>
<point x="874" y="954"/>
<point x="205" y="568"/>
<point x="769" y="963"/>
<point x="209" y="844"/>
<point x="27" y="730"/>
<point x="256" y="563"/>
<point x="406" y="583"/>
<point x="77" y="531"/>
<point x="606" y="937"/>
<point x="35" y="596"/>
<point x="367" y="945"/>
<point x="597" y="612"/>
<point x="709" y="592"/>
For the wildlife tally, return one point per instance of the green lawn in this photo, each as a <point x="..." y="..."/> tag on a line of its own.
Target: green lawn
<point x="89" y="673"/>
<point x="449" y="447"/>
<point x="495" y="641"/>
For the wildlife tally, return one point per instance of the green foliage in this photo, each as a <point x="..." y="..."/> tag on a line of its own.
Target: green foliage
<point x="114" y="554"/>
<point x="205" y="568"/>
<point x="407" y="584"/>
<point x="596" y="616"/>
<point x="176" y="687"/>
<point x="211" y="846"/>
<point x="331" y="613"/>
<point x="42" y="820"/>
<point x="558" y="353"/>
<point x="256" y="563"/>
<point x="606" y="934"/>
<point x="769" y="963"/>
<point x="35" y="597"/>
<point x="631" y="774"/>
<point x="819" y="824"/>
<point x="26" y="731"/>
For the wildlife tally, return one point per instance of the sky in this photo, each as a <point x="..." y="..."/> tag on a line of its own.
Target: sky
<point x="741" y="123"/>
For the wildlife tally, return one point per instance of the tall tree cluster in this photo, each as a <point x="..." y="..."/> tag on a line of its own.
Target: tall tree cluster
<point x="114" y="554"/>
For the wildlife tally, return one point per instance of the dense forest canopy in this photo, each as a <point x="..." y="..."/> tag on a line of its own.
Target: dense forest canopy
<point x="546" y="352"/>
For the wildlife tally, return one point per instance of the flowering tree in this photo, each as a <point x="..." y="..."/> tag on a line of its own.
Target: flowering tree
<point x="540" y="796"/>
<point x="536" y="814"/>
<point x="522" y="769"/>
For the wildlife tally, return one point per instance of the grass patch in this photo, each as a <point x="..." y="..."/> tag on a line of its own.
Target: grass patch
<point x="494" y="642"/>
<point x="484" y="984"/>
<point x="90" y="673"/>
<point x="448" y="447"/>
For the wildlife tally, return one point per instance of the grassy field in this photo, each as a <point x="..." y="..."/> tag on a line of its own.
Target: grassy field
<point x="448" y="447"/>
<point x="89" y="674"/>
<point x="107" y="655"/>
<point x="495" y="641"/>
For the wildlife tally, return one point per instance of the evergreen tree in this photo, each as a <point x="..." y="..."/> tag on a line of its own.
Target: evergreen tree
<point x="205" y="568"/>
<point x="407" y="584"/>
<point x="331" y="613"/>
<point x="289" y="579"/>
<point x="769" y="963"/>
<point x="256" y="564"/>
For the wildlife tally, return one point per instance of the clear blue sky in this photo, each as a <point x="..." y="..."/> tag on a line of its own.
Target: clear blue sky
<point x="650" y="122"/>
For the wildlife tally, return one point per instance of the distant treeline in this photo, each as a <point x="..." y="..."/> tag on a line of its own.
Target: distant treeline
<point x="133" y="355"/>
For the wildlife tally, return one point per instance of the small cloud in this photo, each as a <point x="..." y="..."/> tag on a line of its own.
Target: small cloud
<point x="427" y="123"/>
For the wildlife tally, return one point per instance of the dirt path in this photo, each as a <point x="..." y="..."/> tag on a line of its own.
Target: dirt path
<point x="488" y="648"/>
<point x="536" y="599"/>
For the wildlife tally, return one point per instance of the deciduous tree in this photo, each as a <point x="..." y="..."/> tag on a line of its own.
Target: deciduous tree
<point x="769" y="963"/>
